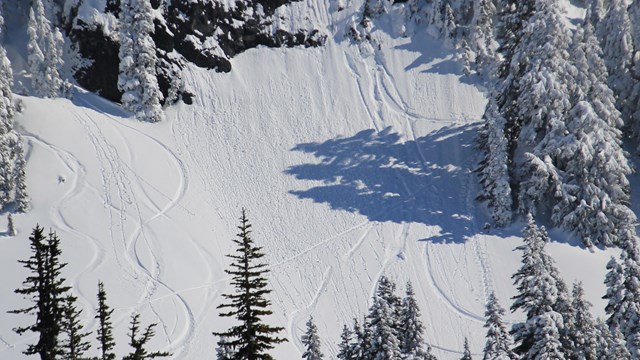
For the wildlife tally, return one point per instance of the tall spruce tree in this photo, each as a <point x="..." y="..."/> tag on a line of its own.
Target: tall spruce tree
<point x="581" y="327"/>
<point x="538" y="297"/>
<point x="137" y="79"/>
<point x="411" y="332"/>
<point x="139" y="341"/>
<point x="345" y="346"/>
<point x="74" y="345"/>
<point x="384" y="342"/>
<point x="106" y="343"/>
<point x="45" y="288"/>
<point x="311" y="342"/>
<point x="466" y="352"/>
<point x="251" y="338"/>
<point x="498" y="341"/>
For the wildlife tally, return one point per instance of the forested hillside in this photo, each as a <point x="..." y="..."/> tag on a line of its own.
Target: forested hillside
<point x="479" y="153"/>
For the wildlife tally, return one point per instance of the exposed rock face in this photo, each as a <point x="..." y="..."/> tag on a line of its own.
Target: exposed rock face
<point x="202" y="32"/>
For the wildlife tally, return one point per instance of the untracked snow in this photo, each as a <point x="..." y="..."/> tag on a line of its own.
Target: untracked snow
<point x="353" y="161"/>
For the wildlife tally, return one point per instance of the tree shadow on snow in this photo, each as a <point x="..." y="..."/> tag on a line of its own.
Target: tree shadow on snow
<point x="378" y="175"/>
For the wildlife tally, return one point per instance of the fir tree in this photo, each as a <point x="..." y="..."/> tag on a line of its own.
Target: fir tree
<point x="382" y="322"/>
<point x="252" y="338"/>
<point x="137" y="79"/>
<point x="482" y="39"/>
<point x="311" y="342"/>
<point x="581" y="327"/>
<point x="45" y="54"/>
<point x="139" y="341"/>
<point x="411" y="332"/>
<point x="498" y="343"/>
<point x="362" y="338"/>
<point x="618" y="348"/>
<point x="46" y="289"/>
<point x="105" y="328"/>
<point x="538" y="295"/>
<point x="629" y="321"/>
<point x="614" y="281"/>
<point x="11" y="230"/>
<point x="430" y="355"/>
<point x="19" y="177"/>
<point x="466" y="353"/>
<point x="74" y="345"/>
<point x="345" y="346"/>
<point x="224" y="352"/>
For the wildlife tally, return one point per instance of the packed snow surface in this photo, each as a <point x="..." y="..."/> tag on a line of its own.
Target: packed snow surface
<point x="353" y="161"/>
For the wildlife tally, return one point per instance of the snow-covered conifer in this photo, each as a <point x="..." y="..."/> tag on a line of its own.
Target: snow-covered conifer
<point x="224" y="351"/>
<point x="11" y="230"/>
<point x="482" y="39"/>
<point x="19" y="177"/>
<point x="466" y="352"/>
<point x="137" y="79"/>
<point x="345" y="347"/>
<point x="311" y="342"/>
<point x="411" y="332"/>
<point x="581" y="327"/>
<point x="617" y="44"/>
<point x="498" y="341"/>
<point x="384" y="342"/>
<point x="493" y="170"/>
<point x="618" y="348"/>
<point x="45" y="54"/>
<point x="537" y="297"/>
<point x="449" y="29"/>
<point x="629" y="323"/>
<point x="614" y="281"/>
<point x="429" y="355"/>
<point x="361" y="339"/>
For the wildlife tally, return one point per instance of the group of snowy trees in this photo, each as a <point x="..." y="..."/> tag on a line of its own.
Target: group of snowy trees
<point x="13" y="191"/>
<point x="137" y="80"/>
<point x="558" y="323"/>
<point x="61" y="334"/>
<point x="392" y="330"/>
<point x="552" y="137"/>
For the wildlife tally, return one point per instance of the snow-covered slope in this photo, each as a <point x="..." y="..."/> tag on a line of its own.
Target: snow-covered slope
<point x="353" y="161"/>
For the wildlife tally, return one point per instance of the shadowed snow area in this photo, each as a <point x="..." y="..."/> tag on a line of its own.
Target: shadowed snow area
<point x="353" y="161"/>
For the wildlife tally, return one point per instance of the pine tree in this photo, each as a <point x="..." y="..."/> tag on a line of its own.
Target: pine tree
<point x="482" y="38"/>
<point x="498" y="344"/>
<point x="362" y="338"/>
<point x="345" y="346"/>
<point x="383" y="322"/>
<point x="311" y="342"/>
<point x="411" y="332"/>
<point x="224" y="352"/>
<point x="618" y="348"/>
<point x="46" y="289"/>
<point x="139" y="341"/>
<point x="252" y="338"/>
<point x="466" y="353"/>
<point x="74" y="345"/>
<point x="137" y="79"/>
<point x="45" y="54"/>
<point x="538" y="295"/>
<point x="11" y="230"/>
<point x="614" y="281"/>
<point x="19" y="177"/>
<point x="629" y="323"/>
<point x="617" y="45"/>
<point x="430" y="355"/>
<point x="105" y="328"/>
<point x="582" y="327"/>
<point x="493" y="170"/>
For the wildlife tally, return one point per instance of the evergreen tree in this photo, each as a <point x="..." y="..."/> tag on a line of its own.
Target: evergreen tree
<point x="224" y="352"/>
<point x="139" y="341"/>
<point x="466" y="353"/>
<point x="614" y="281"/>
<point x="482" y="39"/>
<point x="582" y="327"/>
<point x="252" y="338"/>
<point x="137" y="79"/>
<point x="618" y="348"/>
<point x="411" y="334"/>
<point x="383" y="323"/>
<point x="311" y="342"/>
<point x="105" y="328"/>
<point x="19" y="177"/>
<point x="45" y="287"/>
<point x="498" y="344"/>
<point x="538" y="297"/>
<point x="430" y="355"/>
<point x="74" y="345"/>
<point x="345" y="347"/>
<point x="629" y="323"/>
<point x="603" y="339"/>
<point x="362" y="338"/>
<point x="617" y="44"/>
<point x="493" y="170"/>
<point x="45" y="54"/>
<point x="11" y="230"/>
